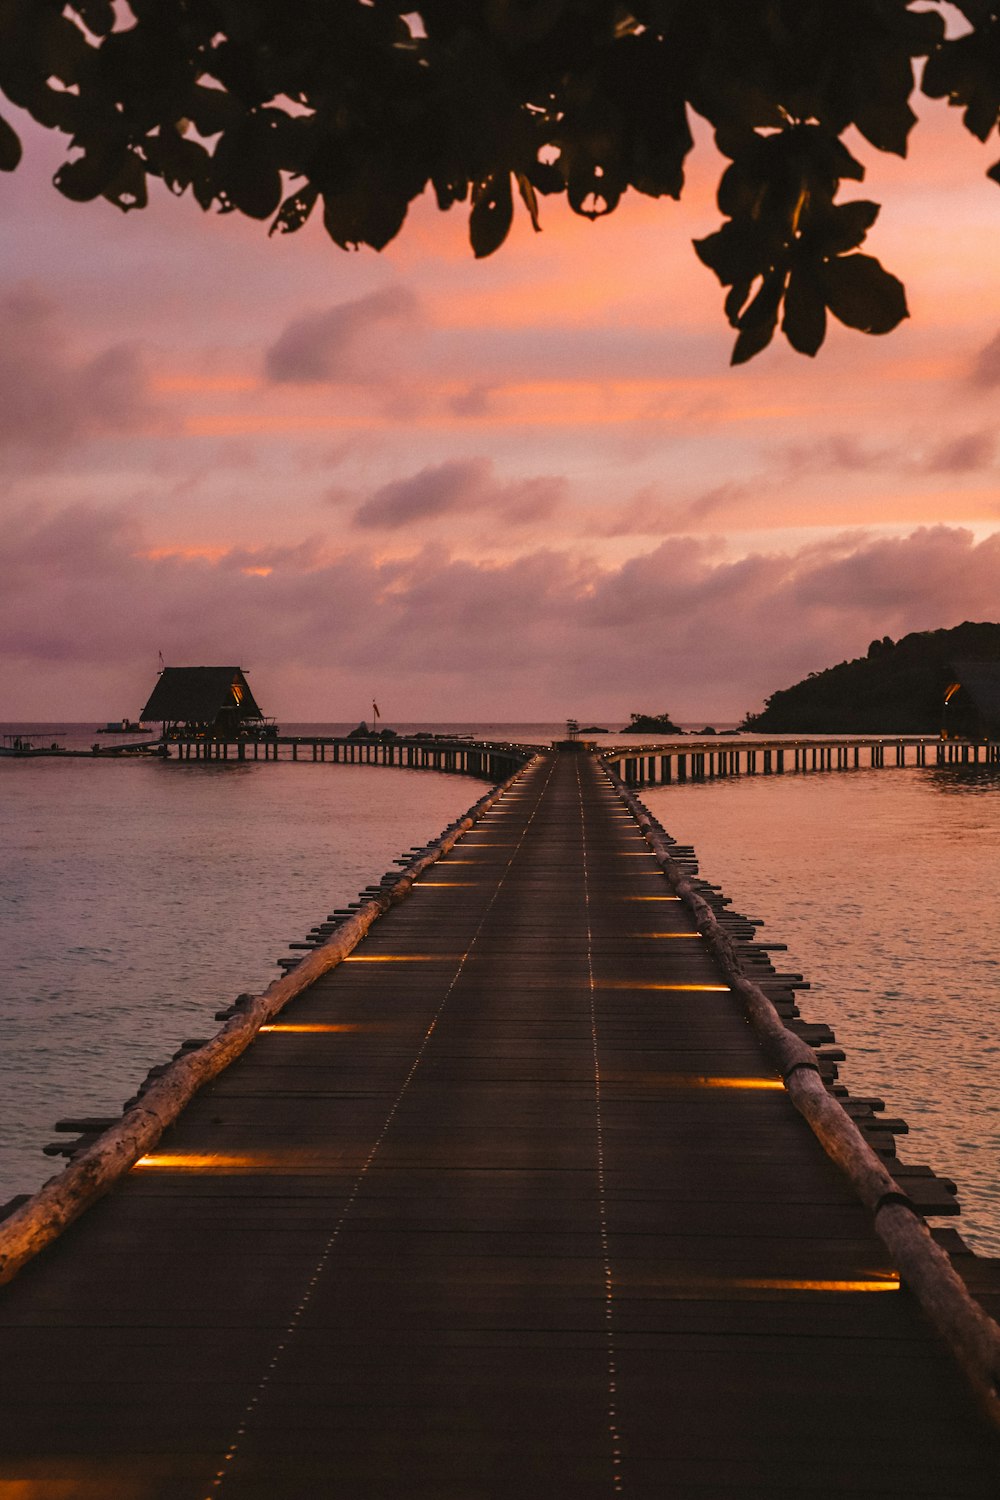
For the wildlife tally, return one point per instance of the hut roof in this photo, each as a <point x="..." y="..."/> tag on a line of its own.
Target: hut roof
<point x="981" y="680"/>
<point x="200" y="694"/>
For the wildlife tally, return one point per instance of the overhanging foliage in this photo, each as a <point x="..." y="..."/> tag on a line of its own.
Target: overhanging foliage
<point x="277" y="108"/>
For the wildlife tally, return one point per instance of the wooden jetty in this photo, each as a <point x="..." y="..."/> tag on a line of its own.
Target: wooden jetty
<point x="506" y="1199"/>
<point x="705" y="759"/>
<point x="691" y="759"/>
<point x="486" y="758"/>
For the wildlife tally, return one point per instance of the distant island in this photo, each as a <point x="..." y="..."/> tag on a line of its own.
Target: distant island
<point x="652" y="724"/>
<point x="930" y="682"/>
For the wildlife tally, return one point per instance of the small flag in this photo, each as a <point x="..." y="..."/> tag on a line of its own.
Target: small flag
<point x="375" y="709"/>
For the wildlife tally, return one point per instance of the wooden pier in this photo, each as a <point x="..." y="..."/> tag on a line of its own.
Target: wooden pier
<point x="494" y="761"/>
<point x="709" y="759"/>
<point x="508" y="1203"/>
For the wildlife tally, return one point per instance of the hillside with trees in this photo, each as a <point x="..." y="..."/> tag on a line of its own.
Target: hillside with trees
<point x="899" y="687"/>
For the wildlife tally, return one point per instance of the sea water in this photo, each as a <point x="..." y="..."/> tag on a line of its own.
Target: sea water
<point x="138" y="898"/>
<point x="885" y="885"/>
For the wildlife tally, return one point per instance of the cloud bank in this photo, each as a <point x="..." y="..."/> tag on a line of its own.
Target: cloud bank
<point x="538" y="636"/>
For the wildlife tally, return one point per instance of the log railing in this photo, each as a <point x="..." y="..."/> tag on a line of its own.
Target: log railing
<point x="972" y="1336"/>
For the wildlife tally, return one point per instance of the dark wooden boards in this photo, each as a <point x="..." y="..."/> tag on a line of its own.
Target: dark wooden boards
<point x="506" y="1197"/>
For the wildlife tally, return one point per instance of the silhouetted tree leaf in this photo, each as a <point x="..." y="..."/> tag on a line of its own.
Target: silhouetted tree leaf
<point x="759" y="320"/>
<point x="63" y="50"/>
<point x="358" y="216"/>
<point x="242" y="175"/>
<point x="212" y="110"/>
<point x="97" y="15"/>
<point x="881" y="111"/>
<point x="804" y="320"/>
<point x="731" y="252"/>
<point x="966" y="72"/>
<point x="88" y="176"/>
<point x="492" y="211"/>
<point x="847" y="225"/>
<point x="529" y="199"/>
<point x="862" y="294"/>
<point x="10" y="147"/>
<point x="294" y="212"/>
<point x="181" y="163"/>
<point x="736" y="301"/>
<point x="127" y="188"/>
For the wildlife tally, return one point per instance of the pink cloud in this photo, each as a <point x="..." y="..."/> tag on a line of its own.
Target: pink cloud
<point x="460" y="486"/>
<point x="986" y="366"/>
<point x="648" y="513"/>
<point x="541" y="634"/>
<point x="965" y="454"/>
<point x="330" y="346"/>
<point x="52" y="394"/>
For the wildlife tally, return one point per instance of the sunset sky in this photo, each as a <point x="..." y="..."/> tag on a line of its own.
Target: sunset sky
<point x="514" y="489"/>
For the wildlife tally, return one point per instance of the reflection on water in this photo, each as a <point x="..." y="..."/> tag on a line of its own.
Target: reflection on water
<point x="959" y="781"/>
<point x="136" y="899"/>
<point x="885" y="886"/>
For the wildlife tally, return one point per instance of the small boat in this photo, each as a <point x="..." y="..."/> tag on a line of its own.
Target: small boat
<point x="21" y="745"/>
<point x="124" y="726"/>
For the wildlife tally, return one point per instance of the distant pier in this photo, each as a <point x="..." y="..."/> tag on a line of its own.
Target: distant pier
<point x="494" y="760"/>
<point x="700" y="759"/>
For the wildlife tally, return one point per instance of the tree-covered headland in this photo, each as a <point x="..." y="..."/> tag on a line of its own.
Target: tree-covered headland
<point x="899" y="687"/>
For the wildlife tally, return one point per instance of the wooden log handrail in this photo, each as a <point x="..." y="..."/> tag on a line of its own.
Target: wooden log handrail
<point x="91" y="1174"/>
<point x="971" y="1335"/>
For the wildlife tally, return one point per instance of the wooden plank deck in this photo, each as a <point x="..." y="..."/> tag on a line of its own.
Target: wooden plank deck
<point x="505" y="1206"/>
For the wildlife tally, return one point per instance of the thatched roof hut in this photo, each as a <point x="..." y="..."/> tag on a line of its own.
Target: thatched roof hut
<point x="203" y="700"/>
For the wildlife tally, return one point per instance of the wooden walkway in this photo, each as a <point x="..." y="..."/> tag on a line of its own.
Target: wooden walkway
<point x="506" y="1206"/>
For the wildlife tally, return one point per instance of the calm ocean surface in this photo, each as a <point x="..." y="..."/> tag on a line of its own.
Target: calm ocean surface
<point x="886" y="887"/>
<point x="137" y="898"/>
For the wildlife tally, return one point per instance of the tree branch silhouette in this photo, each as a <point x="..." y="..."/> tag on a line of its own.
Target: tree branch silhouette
<point x="355" y="107"/>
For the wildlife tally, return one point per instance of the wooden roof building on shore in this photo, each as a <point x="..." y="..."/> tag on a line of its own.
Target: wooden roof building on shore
<point x="212" y="700"/>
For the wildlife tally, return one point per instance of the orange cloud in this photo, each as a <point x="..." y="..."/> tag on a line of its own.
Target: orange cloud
<point x="189" y="384"/>
<point x="183" y="553"/>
